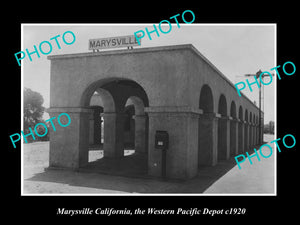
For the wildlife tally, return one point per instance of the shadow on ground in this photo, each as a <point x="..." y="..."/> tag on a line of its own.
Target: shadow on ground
<point x="134" y="165"/>
<point x="129" y="175"/>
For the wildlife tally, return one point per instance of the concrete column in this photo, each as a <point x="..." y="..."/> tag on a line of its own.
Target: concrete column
<point x="228" y="139"/>
<point x="236" y="125"/>
<point x="113" y="135"/>
<point x="69" y="145"/>
<point x="181" y="123"/>
<point x="92" y="128"/>
<point x="250" y="135"/>
<point x="241" y="137"/>
<point x="246" y="136"/>
<point x="207" y="141"/>
<point x="233" y="137"/>
<point x="224" y="138"/>
<point x="97" y="126"/>
<point x="257" y="134"/>
<point x="254" y="134"/>
<point x="140" y="133"/>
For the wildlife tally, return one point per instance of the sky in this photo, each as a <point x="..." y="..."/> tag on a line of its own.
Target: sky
<point x="235" y="49"/>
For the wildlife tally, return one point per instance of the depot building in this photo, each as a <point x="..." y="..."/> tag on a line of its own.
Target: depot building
<point x="169" y="106"/>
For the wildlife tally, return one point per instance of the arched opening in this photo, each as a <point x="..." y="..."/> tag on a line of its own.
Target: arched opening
<point x="240" y="131"/>
<point x="124" y="127"/>
<point x="246" y="144"/>
<point x="100" y="100"/>
<point x="206" y="99"/>
<point x="206" y="130"/>
<point x="223" y="126"/>
<point x="241" y="113"/>
<point x="233" y="129"/>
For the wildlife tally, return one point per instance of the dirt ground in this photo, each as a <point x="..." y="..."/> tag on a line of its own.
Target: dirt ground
<point x="224" y="178"/>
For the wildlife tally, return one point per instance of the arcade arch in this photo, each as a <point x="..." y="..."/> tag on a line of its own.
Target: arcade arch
<point x="124" y="119"/>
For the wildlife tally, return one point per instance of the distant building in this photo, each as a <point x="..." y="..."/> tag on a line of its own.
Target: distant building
<point x="269" y="128"/>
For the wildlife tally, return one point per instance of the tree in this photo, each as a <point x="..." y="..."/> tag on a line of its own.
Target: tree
<point x="33" y="111"/>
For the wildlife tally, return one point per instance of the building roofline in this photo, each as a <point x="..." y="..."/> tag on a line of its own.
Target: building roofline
<point x="122" y="51"/>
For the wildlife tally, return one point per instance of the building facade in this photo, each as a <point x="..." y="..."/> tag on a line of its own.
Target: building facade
<point x="171" y="88"/>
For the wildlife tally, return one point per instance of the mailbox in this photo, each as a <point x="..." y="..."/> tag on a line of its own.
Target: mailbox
<point x="161" y="140"/>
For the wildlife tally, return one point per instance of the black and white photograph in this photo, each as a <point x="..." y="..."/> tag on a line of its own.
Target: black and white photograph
<point x="116" y="114"/>
<point x="153" y="113"/>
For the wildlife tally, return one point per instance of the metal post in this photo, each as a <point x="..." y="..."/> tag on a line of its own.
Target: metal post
<point x="259" y="122"/>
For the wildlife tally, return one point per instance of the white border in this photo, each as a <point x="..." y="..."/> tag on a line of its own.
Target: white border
<point x="275" y="113"/>
<point x="158" y="194"/>
<point x="22" y="113"/>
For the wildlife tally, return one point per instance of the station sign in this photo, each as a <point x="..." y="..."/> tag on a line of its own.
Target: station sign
<point x="113" y="42"/>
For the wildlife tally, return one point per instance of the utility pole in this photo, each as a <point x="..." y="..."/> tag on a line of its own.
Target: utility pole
<point x="260" y="122"/>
